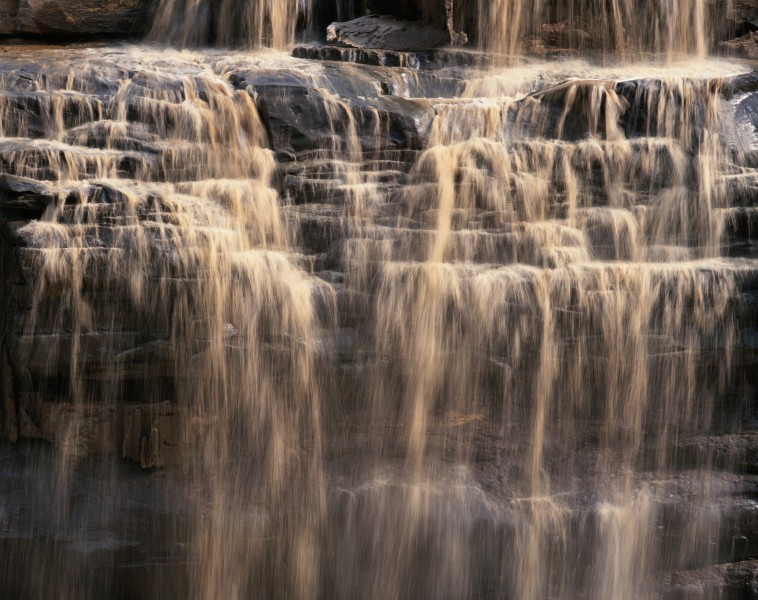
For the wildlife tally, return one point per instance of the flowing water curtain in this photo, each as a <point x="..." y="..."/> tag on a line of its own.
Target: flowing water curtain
<point x="615" y="27"/>
<point x="249" y="23"/>
<point x="593" y="324"/>
<point x="504" y="26"/>
<point x="195" y="251"/>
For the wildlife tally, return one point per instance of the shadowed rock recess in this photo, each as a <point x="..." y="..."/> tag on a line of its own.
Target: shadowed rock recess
<point x="72" y="18"/>
<point x="347" y="322"/>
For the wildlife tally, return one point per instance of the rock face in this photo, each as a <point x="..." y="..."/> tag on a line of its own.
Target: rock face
<point x="387" y="33"/>
<point x="735" y="581"/>
<point x="303" y="114"/>
<point x="745" y="11"/>
<point x="72" y="18"/>
<point x="413" y="24"/>
<point x="745" y="46"/>
<point x="306" y="279"/>
<point x="410" y="27"/>
<point x="342" y="133"/>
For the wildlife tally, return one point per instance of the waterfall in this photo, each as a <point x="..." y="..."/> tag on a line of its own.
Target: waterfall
<point x="250" y="23"/>
<point x="618" y="28"/>
<point x="503" y="26"/>
<point x="382" y="325"/>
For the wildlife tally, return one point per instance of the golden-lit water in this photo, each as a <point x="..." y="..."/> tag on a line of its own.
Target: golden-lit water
<point x="229" y="22"/>
<point x="619" y="27"/>
<point x="536" y="320"/>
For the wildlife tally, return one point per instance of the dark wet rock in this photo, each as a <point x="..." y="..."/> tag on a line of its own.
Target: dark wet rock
<point x="11" y="185"/>
<point x="436" y="59"/>
<point x="154" y="435"/>
<point x="433" y="74"/>
<point x="301" y="115"/>
<point x="565" y="110"/>
<point x="741" y="229"/>
<point x="405" y="124"/>
<point x="733" y="452"/>
<point x="745" y="12"/>
<point x="9" y="418"/>
<point x="742" y="47"/>
<point x="410" y="10"/>
<point x="744" y="190"/>
<point x="295" y="115"/>
<point x="324" y="12"/>
<point x="73" y="17"/>
<point x="364" y="56"/>
<point x="444" y="13"/>
<point x="22" y="198"/>
<point x="123" y="554"/>
<point x="733" y="581"/>
<point x="561" y="39"/>
<point x="390" y="34"/>
<point x="733" y="26"/>
<point x="340" y="130"/>
<point x="743" y="94"/>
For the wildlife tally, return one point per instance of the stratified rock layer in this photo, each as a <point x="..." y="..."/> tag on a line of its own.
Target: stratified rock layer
<point x="387" y="34"/>
<point x="73" y="18"/>
<point x="455" y="261"/>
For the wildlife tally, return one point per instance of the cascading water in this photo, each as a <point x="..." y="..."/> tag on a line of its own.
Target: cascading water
<point x="228" y="23"/>
<point x="620" y="27"/>
<point x="427" y="331"/>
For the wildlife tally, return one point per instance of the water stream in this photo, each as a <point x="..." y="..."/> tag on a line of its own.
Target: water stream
<point x="486" y="362"/>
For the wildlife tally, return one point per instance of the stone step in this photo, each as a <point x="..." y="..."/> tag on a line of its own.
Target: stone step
<point x="53" y="161"/>
<point x="741" y="230"/>
<point x="729" y="581"/>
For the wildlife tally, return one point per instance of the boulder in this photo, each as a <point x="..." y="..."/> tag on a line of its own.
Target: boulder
<point x="303" y="116"/>
<point x="389" y="33"/>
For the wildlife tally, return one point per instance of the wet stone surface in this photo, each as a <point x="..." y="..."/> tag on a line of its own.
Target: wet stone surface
<point x="325" y="323"/>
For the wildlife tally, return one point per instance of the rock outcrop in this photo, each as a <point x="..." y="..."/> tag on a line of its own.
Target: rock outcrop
<point x="388" y="34"/>
<point x="176" y="220"/>
<point x="342" y="133"/>
<point x="73" y="18"/>
<point x="409" y="27"/>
